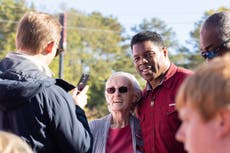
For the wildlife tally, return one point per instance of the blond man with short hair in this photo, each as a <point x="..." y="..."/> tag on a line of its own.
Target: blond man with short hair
<point x="203" y="102"/>
<point x="32" y="105"/>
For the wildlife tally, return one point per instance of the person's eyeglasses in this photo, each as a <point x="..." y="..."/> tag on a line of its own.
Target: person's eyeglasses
<point x="59" y="50"/>
<point x="121" y="89"/>
<point x="214" y="52"/>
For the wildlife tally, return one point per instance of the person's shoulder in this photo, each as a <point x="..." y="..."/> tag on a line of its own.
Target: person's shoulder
<point x="51" y="86"/>
<point x="184" y="71"/>
<point x="100" y="120"/>
<point x="55" y="95"/>
<point x="178" y="77"/>
<point x="134" y="118"/>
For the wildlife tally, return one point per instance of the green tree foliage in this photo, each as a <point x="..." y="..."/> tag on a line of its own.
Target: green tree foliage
<point x="10" y="13"/>
<point x="160" y="27"/>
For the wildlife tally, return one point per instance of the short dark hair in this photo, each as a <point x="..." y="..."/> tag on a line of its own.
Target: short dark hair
<point x="219" y="21"/>
<point x="145" y="36"/>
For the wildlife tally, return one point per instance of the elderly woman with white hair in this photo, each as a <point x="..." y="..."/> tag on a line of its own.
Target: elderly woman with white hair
<point x="119" y="131"/>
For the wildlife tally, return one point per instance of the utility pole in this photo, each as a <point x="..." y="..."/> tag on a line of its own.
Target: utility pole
<point x="62" y="44"/>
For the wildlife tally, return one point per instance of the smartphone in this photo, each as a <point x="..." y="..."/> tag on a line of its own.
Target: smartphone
<point x="83" y="81"/>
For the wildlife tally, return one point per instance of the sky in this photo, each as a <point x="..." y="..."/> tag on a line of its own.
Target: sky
<point x="180" y="15"/>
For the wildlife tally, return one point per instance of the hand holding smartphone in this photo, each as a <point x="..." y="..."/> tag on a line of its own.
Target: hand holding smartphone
<point x="83" y="81"/>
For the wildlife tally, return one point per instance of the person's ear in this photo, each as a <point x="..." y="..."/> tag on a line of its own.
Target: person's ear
<point x="224" y="123"/>
<point x="165" y="51"/>
<point x="49" y="47"/>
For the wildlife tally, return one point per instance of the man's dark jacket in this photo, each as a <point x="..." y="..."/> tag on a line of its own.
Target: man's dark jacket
<point x="41" y="112"/>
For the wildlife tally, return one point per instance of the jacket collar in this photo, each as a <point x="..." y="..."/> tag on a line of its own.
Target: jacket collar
<point x="42" y="67"/>
<point x="170" y="72"/>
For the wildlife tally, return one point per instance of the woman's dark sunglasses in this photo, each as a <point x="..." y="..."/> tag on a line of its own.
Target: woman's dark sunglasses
<point x="121" y="89"/>
<point x="215" y="52"/>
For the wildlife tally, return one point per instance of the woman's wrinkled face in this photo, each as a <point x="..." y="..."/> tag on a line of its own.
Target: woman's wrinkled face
<point x="119" y="94"/>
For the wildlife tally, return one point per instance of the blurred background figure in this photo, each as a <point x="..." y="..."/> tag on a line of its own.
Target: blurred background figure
<point x="120" y="130"/>
<point x="10" y="143"/>
<point x="203" y="102"/>
<point x="215" y="35"/>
